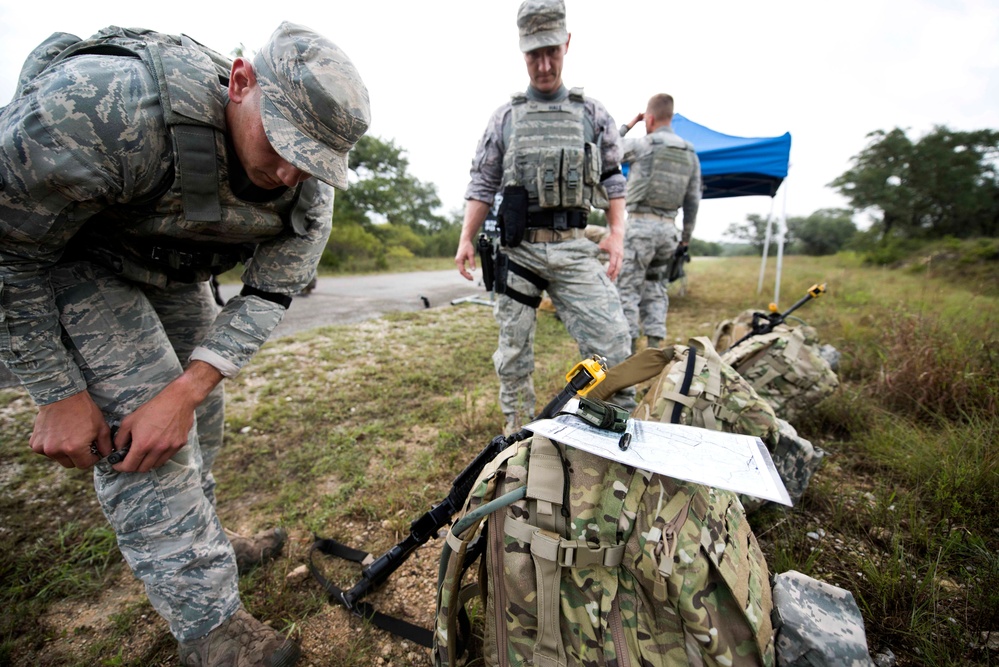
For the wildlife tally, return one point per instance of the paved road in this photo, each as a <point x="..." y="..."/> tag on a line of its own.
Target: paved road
<point x="344" y="300"/>
<point x="348" y="299"/>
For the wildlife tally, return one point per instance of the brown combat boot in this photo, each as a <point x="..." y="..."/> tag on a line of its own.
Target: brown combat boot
<point x="252" y="551"/>
<point x="241" y="641"/>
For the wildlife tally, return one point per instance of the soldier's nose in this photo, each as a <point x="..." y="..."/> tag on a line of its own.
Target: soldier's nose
<point x="290" y="175"/>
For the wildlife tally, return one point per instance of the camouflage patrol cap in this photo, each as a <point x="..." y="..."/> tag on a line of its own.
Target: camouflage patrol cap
<point x="314" y="104"/>
<point x="541" y="23"/>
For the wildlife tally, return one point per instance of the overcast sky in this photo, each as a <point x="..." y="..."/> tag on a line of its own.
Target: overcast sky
<point x="828" y="73"/>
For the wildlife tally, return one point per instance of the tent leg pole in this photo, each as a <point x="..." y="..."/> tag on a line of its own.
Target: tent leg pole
<point x="782" y="231"/>
<point x="766" y="247"/>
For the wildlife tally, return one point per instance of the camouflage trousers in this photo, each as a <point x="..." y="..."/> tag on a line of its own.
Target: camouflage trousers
<point x="130" y="342"/>
<point x="585" y="300"/>
<point x="645" y="302"/>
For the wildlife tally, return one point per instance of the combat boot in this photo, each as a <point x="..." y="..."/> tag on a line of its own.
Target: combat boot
<point x="654" y="342"/>
<point x="512" y="424"/>
<point x="252" y="551"/>
<point x="241" y="641"/>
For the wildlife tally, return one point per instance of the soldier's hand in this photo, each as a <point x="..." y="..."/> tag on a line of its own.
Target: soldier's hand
<point x="156" y="431"/>
<point x="465" y="256"/>
<point x="160" y="427"/>
<point x="613" y="245"/>
<point x="67" y="430"/>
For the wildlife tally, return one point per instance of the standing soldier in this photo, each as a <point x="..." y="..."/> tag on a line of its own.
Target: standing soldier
<point x="552" y="153"/>
<point x="134" y="166"/>
<point x="664" y="174"/>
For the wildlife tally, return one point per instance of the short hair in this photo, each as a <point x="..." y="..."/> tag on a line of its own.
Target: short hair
<point x="661" y="106"/>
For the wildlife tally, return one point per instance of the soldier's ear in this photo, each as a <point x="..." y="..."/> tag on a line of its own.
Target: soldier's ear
<point x="567" y="40"/>
<point x="241" y="79"/>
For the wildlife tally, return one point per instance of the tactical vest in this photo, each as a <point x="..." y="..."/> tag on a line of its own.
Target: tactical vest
<point x="657" y="180"/>
<point x="194" y="225"/>
<point x="549" y="153"/>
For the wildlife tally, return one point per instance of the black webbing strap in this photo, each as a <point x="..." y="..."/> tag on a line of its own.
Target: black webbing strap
<point x="396" y="626"/>
<point x="520" y="297"/>
<point x="529" y="276"/>
<point x="280" y="299"/>
<point x="688" y="376"/>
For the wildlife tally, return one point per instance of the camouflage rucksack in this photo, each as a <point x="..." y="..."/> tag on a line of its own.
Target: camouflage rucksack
<point x="585" y="561"/>
<point x="693" y="387"/>
<point x="786" y="368"/>
<point x="715" y="397"/>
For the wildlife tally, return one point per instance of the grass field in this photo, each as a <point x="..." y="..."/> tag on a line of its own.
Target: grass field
<point x="351" y="432"/>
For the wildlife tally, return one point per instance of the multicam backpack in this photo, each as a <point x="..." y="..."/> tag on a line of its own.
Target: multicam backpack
<point x="786" y="368"/>
<point x="693" y="386"/>
<point x="588" y="562"/>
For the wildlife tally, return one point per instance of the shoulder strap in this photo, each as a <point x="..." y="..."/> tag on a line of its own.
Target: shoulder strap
<point x="640" y="367"/>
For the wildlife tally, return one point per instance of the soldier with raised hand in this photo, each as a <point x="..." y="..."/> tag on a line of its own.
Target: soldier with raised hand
<point x="664" y="175"/>
<point x="552" y="153"/>
<point x="133" y="167"/>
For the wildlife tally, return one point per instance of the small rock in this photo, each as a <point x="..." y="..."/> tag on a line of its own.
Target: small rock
<point x="885" y="658"/>
<point x="298" y="574"/>
<point x="246" y="429"/>
<point x="990" y="640"/>
<point x="812" y="536"/>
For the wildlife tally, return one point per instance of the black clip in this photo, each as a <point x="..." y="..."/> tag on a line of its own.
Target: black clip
<point x="624" y="442"/>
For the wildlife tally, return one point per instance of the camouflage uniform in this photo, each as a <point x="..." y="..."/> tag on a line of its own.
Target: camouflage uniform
<point x="578" y="285"/>
<point x="652" y="236"/>
<point x="107" y="240"/>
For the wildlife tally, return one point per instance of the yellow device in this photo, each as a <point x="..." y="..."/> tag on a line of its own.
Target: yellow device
<point x="595" y="366"/>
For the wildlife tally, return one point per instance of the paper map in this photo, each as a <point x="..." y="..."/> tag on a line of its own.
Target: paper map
<point x="739" y="463"/>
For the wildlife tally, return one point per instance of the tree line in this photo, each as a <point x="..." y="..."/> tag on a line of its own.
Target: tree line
<point x="943" y="184"/>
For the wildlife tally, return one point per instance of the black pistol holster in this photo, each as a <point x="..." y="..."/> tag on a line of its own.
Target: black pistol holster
<point x="502" y="270"/>
<point x="512" y="216"/>
<point x="487" y="258"/>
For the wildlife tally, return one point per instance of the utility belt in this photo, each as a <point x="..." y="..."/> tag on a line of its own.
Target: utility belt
<point x="557" y="220"/>
<point x="517" y="223"/>
<point x="180" y="262"/>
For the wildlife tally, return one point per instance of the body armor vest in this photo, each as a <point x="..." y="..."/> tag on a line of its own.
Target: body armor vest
<point x="194" y="226"/>
<point x="549" y="153"/>
<point x="657" y="181"/>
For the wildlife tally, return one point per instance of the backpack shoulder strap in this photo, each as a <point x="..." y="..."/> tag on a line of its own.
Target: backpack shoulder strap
<point x="635" y="369"/>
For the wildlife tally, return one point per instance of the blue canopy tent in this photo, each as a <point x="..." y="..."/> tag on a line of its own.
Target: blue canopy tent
<point x="736" y="166"/>
<point x="739" y="167"/>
